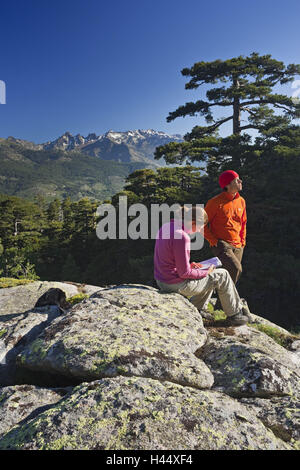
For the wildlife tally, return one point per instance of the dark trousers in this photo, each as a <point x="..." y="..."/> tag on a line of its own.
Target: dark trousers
<point x="230" y="257"/>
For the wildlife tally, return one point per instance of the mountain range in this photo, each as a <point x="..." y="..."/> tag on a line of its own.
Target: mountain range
<point x="77" y="166"/>
<point x="130" y="146"/>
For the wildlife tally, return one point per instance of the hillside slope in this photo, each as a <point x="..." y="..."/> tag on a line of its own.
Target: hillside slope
<point x="26" y="172"/>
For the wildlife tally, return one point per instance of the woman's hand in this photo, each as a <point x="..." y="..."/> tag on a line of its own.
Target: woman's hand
<point x="196" y="265"/>
<point x="210" y="270"/>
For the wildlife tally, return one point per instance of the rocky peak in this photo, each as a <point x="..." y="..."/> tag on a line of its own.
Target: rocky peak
<point x="118" y="137"/>
<point x="91" y="136"/>
<point x="134" y="146"/>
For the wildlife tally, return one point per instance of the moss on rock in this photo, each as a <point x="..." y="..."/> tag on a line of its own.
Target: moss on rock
<point x="138" y="413"/>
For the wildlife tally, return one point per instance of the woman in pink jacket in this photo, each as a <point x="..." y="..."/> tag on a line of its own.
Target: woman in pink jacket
<point x="174" y="272"/>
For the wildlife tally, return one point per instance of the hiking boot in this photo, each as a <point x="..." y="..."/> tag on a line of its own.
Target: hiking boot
<point x="246" y="310"/>
<point x="237" y="320"/>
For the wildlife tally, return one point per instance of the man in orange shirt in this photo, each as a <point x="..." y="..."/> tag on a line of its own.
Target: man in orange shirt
<point x="227" y="217"/>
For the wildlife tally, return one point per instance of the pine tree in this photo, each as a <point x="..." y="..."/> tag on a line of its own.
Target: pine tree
<point x="68" y="219"/>
<point x="16" y="265"/>
<point x="249" y="96"/>
<point x="85" y="218"/>
<point x="165" y="185"/>
<point x="54" y="212"/>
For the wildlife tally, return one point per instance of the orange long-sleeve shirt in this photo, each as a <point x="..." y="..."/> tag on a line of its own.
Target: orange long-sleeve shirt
<point x="227" y="219"/>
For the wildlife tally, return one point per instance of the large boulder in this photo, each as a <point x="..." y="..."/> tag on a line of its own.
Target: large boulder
<point x="129" y="330"/>
<point x="21" y="322"/>
<point x="20" y="402"/>
<point x="139" y="413"/>
<point x="16" y="333"/>
<point x="248" y="363"/>
<point x="148" y="374"/>
<point x="20" y="299"/>
<point x="279" y="414"/>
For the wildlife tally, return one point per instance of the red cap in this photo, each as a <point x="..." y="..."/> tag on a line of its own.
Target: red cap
<point x="226" y="177"/>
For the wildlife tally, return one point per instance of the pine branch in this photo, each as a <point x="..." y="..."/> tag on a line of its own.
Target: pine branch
<point x="250" y="126"/>
<point x="208" y="129"/>
<point x="248" y="110"/>
<point x="281" y="107"/>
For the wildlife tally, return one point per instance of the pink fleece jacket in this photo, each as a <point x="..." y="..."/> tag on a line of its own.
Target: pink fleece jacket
<point x="172" y="255"/>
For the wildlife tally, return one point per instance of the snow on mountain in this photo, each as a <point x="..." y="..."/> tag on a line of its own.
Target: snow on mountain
<point x="138" y="135"/>
<point x="67" y="141"/>
<point x="134" y="145"/>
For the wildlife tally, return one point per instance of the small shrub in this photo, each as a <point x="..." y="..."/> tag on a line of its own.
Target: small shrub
<point x="77" y="298"/>
<point x="12" y="282"/>
<point x="274" y="333"/>
<point x="219" y="315"/>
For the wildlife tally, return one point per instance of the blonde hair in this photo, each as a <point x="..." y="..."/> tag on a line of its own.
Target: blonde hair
<point x="195" y="213"/>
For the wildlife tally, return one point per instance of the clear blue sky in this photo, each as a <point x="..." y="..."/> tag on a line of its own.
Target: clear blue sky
<point x="93" y="65"/>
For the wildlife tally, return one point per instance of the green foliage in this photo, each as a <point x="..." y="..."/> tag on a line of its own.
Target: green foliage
<point x="16" y="265"/>
<point x="11" y="282"/>
<point x="250" y="99"/>
<point x="165" y="185"/>
<point x="280" y="338"/>
<point x="77" y="299"/>
<point x="219" y="315"/>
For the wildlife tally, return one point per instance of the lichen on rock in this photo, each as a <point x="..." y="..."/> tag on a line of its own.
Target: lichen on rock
<point x="138" y="413"/>
<point x="124" y="331"/>
<point x="148" y="374"/>
<point x="248" y="363"/>
<point x="19" y="402"/>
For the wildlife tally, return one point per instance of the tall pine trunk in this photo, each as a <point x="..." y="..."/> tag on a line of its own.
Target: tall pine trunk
<point x="236" y="110"/>
<point x="236" y="161"/>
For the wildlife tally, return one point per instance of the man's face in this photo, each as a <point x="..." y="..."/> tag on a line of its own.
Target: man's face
<point x="235" y="186"/>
